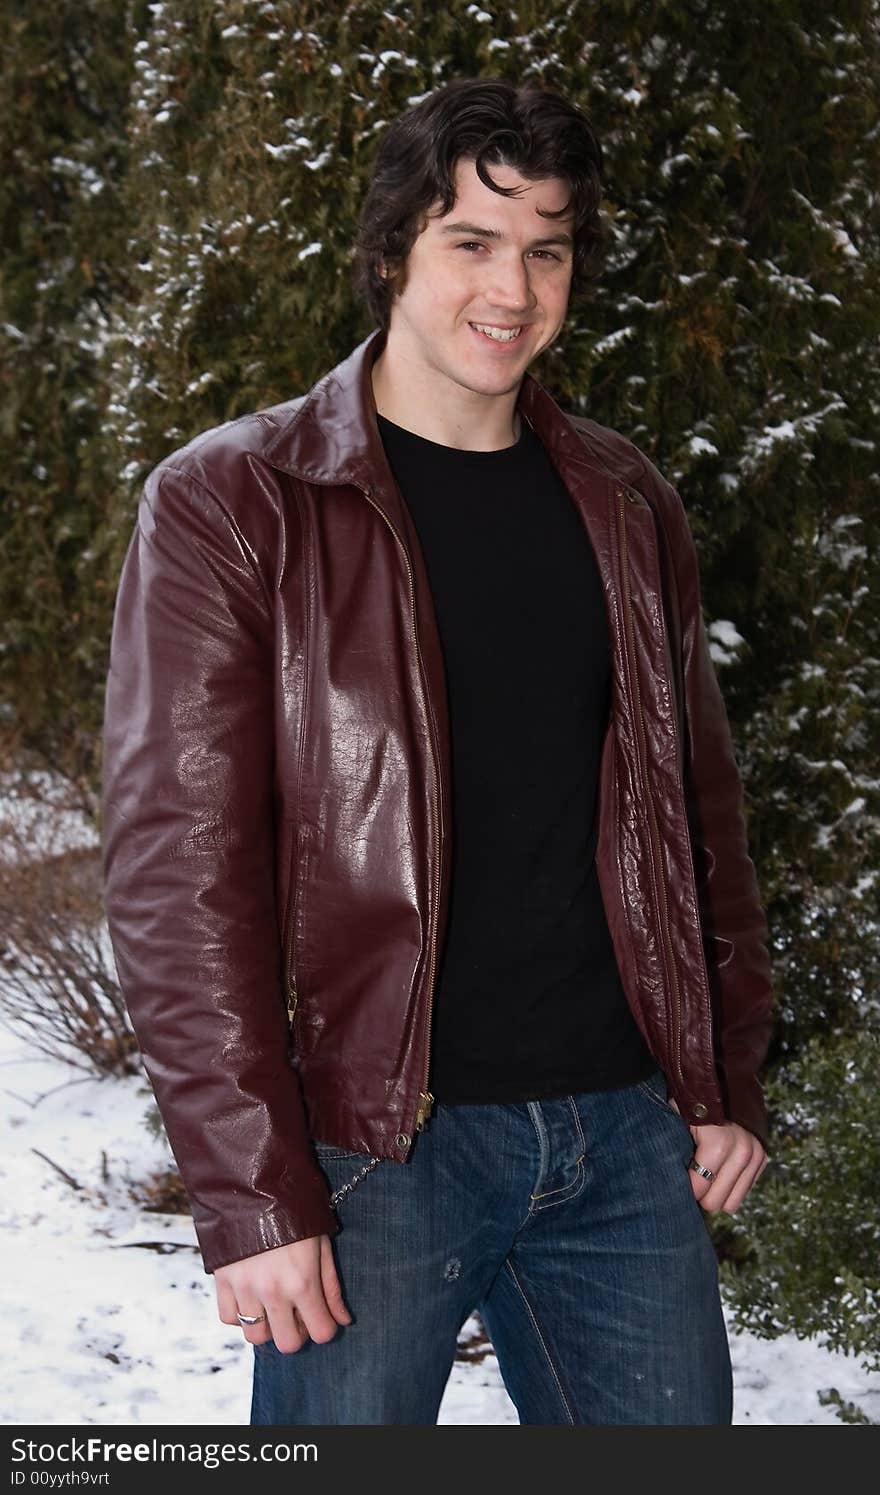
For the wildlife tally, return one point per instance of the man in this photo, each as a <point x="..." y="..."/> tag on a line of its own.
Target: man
<point x="425" y="858"/>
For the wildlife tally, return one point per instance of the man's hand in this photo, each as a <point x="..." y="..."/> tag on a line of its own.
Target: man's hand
<point x="734" y="1155"/>
<point x="296" y="1286"/>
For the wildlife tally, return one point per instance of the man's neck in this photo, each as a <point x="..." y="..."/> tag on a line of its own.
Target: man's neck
<point x="404" y="395"/>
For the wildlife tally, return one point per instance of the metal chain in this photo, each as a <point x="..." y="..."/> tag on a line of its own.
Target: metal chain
<point x="353" y="1182"/>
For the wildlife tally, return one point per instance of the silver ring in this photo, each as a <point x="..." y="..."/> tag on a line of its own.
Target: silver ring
<point x="244" y="1318"/>
<point x="703" y="1172"/>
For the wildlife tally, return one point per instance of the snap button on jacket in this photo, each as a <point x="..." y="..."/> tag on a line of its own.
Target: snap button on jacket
<point x="276" y="802"/>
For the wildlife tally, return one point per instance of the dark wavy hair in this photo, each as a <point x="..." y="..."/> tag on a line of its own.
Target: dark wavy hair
<point x="489" y="121"/>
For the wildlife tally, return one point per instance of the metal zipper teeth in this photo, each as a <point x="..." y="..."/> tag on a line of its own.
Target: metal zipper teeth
<point x="293" y="879"/>
<point x="425" y="1098"/>
<point x="288" y="943"/>
<point x="656" y="872"/>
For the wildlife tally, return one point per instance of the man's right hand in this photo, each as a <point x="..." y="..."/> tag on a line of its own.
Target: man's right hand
<point x="296" y="1286"/>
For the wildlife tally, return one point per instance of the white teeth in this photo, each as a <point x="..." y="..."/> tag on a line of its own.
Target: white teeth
<point x="499" y="334"/>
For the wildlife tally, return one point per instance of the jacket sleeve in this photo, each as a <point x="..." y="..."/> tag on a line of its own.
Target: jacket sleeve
<point x="189" y="870"/>
<point x="735" y="928"/>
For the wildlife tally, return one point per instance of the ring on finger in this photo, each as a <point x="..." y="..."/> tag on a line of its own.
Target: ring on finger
<point x="703" y="1172"/>
<point x="245" y="1318"/>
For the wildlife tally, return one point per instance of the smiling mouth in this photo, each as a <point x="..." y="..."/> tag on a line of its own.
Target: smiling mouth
<point x="497" y="334"/>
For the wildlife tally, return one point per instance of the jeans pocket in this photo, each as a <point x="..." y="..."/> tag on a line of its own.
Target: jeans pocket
<point x="328" y="1151"/>
<point x="656" y="1088"/>
<point x="343" y="1168"/>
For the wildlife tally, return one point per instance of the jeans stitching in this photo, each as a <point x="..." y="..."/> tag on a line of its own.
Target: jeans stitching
<point x="577" y="1121"/>
<point x="541" y="1340"/>
<point x="569" y="1190"/>
<point x="563" y="1188"/>
<point x="330" y="1151"/>
<point x="663" y="1104"/>
<point x="537" y="1120"/>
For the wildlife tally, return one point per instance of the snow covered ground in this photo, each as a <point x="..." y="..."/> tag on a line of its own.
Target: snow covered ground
<point x="111" y="1320"/>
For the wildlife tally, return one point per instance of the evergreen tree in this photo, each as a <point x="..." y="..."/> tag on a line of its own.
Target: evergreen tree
<point x="184" y="180"/>
<point x="63" y="93"/>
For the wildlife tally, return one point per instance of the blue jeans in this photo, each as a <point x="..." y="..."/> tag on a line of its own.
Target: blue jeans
<point x="569" y="1224"/>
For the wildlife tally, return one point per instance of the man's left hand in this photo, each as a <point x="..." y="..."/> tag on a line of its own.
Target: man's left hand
<point x="735" y="1156"/>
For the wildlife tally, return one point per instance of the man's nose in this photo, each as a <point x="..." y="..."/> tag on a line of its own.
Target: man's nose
<point x="511" y="285"/>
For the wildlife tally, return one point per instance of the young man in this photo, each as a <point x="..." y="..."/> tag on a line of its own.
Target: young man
<point x="425" y="858"/>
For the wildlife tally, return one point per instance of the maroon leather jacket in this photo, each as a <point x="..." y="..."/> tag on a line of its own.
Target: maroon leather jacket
<point x="276" y="805"/>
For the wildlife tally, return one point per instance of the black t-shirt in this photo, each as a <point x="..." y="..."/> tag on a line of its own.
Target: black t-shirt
<point x="528" y="1002"/>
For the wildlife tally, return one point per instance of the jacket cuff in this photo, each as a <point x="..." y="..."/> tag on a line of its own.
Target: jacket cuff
<point x="239" y="1234"/>
<point x="744" y="1103"/>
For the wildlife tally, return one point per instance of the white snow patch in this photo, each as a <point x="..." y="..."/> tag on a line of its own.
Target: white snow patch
<point x="41" y="823"/>
<point x="612" y="340"/>
<point x="698" y="446"/>
<point x="724" y="641"/>
<point x="668" y="166"/>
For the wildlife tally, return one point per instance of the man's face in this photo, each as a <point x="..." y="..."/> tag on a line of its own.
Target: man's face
<point x="507" y="277"/>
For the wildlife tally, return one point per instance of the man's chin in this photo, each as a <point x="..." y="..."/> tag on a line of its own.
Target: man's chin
<point x="489" y="381"/>
<point x="492" y="388"/>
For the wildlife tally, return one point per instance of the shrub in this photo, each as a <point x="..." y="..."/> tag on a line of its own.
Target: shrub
<point x="58" y="987"/>
<point x="801" y="1255"/>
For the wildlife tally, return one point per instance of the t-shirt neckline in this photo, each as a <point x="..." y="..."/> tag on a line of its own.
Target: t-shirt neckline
<point x="457" y="453"/>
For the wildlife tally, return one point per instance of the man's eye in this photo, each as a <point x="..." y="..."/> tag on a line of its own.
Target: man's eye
<point x="473" y="244"/>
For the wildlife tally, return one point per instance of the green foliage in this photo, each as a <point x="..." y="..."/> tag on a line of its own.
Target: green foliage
<point x="801" y="1253"/>
<point x="846" y="1411"/>
<point x="63" y="95"/>
<point x="152" y="1120"/>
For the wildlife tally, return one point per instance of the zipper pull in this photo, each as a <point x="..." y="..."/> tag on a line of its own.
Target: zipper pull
<point x="291" y="1001"/>
<point x="426" y="1101"/>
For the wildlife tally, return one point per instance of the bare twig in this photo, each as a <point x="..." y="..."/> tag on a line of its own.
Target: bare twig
<point x="81" y="1080"/>
<point x="163" y="1247"/>
<point x="58" y="986"/>
<point x="68" y="1178"/>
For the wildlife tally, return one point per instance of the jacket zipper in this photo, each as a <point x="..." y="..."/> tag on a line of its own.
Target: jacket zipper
<point x="656" y="861"/>
<point x="288" y="943"/>
<point x="426" y="1099"/>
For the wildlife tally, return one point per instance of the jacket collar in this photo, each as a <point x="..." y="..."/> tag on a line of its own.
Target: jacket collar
<point x="332" y="436"/>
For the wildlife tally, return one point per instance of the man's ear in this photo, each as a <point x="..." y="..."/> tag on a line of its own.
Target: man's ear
<point x="397" y="278"/>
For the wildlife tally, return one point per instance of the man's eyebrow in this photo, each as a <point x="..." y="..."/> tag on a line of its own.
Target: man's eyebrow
<point x="495" y="233"/>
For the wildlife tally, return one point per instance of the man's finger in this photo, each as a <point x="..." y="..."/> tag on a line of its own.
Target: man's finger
<point x="699" y="1183"/>
<point x="331" y="1285"/>
<point x="285" y="1326"/>
<point x="226" y="1304"/>
<point x="315" y="1314"/>
<point x="734" y="1173"/>
<point x="249" y="1307"/>
<point x="742" y="1185"/>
